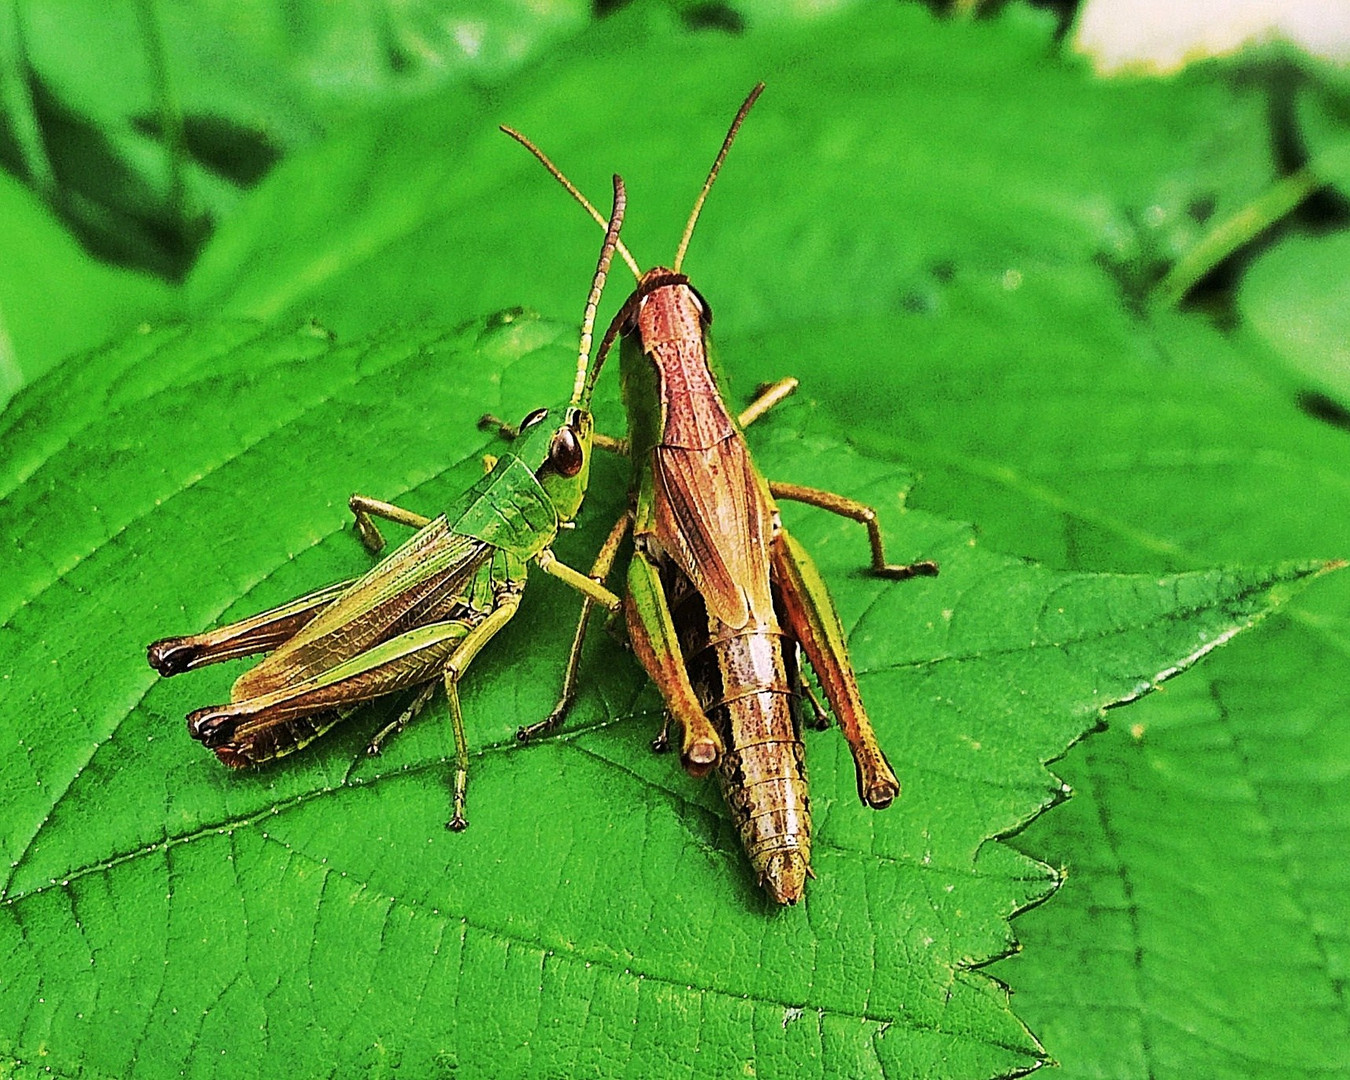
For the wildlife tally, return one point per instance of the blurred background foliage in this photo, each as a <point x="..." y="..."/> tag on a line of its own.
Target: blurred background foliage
<point x="1119" y="308"/>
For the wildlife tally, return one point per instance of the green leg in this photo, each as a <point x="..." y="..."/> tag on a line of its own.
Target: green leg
<point x="455" y="667"/>
<point x="610" y="443"/>
<point x="592" y="590"/>
<point x="366" y="509"/>
<point x="604" y="562"/>
<point x="652" y="632"/>
<point x="810" y="616"/>
<point x="457" y="822"/>
<point x="769" y="395"/>
<point x="406" y="717"/>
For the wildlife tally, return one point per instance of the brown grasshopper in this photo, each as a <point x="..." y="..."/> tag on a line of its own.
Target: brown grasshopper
<point x="720" y="595"/>
<point x="420" y="616"/>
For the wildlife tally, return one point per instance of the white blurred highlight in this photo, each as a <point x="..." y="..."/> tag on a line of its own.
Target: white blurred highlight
<point x="1160" y="36"/>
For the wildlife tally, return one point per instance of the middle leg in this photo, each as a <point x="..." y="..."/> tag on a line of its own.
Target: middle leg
<point x="864" y="515"/>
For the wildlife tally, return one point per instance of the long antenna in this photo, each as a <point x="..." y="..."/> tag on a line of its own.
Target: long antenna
<point x="717" y="165"/>
<point x="571" y="188"/>
<point x="598" y="286"/>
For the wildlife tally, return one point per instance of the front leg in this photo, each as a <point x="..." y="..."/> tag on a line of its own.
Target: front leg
<point x="769" y="395"/>
<point x="588" y="587"/>
<point x="455" y="666"/>
<point x="366" y="509"/>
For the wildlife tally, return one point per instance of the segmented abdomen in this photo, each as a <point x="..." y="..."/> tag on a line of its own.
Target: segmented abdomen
<point x="745" y="680"/>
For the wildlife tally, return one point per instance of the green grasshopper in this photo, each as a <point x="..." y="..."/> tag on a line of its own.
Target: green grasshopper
<point x="720" y="596"/>
<point x="418" y="617"/>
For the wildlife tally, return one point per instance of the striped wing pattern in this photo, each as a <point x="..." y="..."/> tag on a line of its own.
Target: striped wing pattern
<point x="431" y="568"/>
<point x="711" y="517"/>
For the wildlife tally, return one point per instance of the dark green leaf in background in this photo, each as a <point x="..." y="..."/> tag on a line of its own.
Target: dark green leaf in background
<point x="141" y="124"/>
<point x="1297" y="299"/>
<point x="54" y="299"/>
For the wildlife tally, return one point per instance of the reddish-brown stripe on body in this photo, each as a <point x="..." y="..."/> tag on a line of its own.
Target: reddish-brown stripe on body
<point x="710" y="510"/>
<point x="671" y="328"/>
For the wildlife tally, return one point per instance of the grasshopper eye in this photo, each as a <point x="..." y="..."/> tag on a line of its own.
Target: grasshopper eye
<point x="565" y="453"/>
<point x="704" y="308"/>
<point x="534" y="418"/>
<point x="628" y="327"/>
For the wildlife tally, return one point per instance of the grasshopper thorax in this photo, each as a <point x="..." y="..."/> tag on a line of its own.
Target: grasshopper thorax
<point x="534" y="487"/>
<point x="664" y="308"/>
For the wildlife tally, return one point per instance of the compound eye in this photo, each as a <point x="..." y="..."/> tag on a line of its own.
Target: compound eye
<point x="565" y="453"/>
<point x="629" y="326"/>
<point x="535" y="417"/>
<point x="704" y="308"/>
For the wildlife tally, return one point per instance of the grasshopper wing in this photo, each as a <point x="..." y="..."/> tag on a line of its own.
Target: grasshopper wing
<point x="424" y="579"/>
<point x="714" y="520"/>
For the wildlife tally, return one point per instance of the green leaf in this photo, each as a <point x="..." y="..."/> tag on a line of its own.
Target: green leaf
<point x="291" y="73"/>
<point x="947" y="234"/>
<point x="844" y="194"/>
<point x="1203" y="916"/>
<point x="141" y="122"/>
<point x="54" y="298"/>
<point x="163" y="911"/>
<point x="1296" y="299"/>
<point x="1206" y="906"/>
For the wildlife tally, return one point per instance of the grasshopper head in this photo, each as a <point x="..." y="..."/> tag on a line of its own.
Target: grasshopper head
<point x="566" y="469"/>
<point x="559" y="457"/>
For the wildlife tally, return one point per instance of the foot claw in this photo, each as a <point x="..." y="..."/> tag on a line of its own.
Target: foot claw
<point x="881" y="794"/>
<point x="526" y="732"/>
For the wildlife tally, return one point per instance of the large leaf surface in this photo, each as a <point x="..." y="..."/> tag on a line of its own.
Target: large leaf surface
<point x="851" y="188"/>
<point x="922" y="240"/>
<point x="1205" y="907"/>
<point x="164" y="913"/>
